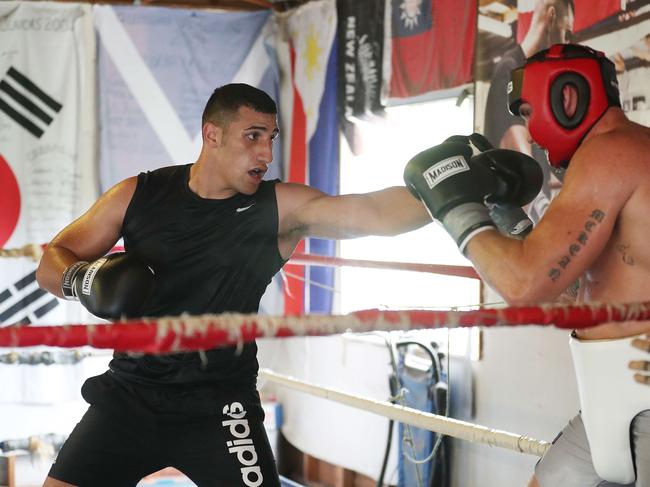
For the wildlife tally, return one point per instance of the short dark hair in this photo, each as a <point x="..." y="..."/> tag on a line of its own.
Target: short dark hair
<point x="226" y="100"/>
<point x="568" y="5"/>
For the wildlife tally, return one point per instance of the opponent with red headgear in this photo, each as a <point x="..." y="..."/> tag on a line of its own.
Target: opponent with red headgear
<point x="542" y="83"/>
<point x="595" y="231"/>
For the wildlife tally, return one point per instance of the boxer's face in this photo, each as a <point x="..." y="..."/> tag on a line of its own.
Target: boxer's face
<point x="245" y="148"/>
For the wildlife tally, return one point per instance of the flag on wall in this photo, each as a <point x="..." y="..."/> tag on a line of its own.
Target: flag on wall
<point x="588" y="12"/>
<point x="361" y="57"/>
<point x="432" y="44"/>
<point x="157" y="69"/>
<point x="47" y="175"/>
<point x="307" y="50"/>
<point x="47" y="143"/>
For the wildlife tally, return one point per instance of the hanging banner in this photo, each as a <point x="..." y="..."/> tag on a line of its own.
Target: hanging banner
<point x="360" y="35"/>
<point x="47" y="175"/>
<point x="307" y="53"/>
<point x="47" y="143"/>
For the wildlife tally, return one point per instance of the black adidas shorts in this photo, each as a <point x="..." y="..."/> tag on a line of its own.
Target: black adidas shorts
<point x="216" y="439"/>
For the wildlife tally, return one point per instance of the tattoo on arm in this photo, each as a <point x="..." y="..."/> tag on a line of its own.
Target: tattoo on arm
<point x="575" y="247"/>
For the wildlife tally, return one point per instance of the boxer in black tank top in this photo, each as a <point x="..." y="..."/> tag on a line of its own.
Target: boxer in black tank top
<point x="214" y="233"/>
<point x="185" y="409"/>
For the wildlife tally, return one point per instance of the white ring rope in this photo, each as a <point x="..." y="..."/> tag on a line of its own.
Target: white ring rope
<point x="420" y="419"/>
<point x="33" y="251"/>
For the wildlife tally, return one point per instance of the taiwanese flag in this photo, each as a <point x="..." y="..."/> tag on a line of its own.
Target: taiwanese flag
<point x="432" y="45"/>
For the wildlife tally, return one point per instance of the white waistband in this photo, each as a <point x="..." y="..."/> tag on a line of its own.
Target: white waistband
<point x="609" y="400"/>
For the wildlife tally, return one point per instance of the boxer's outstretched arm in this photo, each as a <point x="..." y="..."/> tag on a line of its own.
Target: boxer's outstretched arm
<point x="88" y="237"/>
<point x="308" y="212"/>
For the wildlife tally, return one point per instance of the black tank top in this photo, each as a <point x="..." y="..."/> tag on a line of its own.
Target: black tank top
<point x="209" y="256"/>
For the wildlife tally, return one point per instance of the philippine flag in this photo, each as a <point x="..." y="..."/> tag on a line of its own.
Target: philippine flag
<point x="307" y="53"/>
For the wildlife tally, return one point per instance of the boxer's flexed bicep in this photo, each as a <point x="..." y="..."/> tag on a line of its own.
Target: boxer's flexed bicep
<point x="88" y="237"/>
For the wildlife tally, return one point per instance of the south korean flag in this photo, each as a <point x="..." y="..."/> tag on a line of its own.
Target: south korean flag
<point x="47" y="144"/>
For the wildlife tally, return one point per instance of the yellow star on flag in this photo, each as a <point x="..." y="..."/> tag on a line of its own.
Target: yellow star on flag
<point x="313" y="52"/>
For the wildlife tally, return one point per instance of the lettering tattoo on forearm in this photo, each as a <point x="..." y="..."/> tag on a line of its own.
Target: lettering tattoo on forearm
<point x="575" y="247"/>
<point x="624" y="250"/>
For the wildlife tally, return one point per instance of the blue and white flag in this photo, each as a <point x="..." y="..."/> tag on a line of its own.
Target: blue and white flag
<point x="158" y="67"/>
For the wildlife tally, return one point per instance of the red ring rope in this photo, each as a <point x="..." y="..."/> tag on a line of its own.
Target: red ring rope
<point x="209" y="331"/>
<point x="323" y="260"/>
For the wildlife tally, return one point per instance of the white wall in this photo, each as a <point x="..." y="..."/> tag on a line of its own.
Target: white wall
<point x="524" y="384"/>
<point x="333" y="432"/>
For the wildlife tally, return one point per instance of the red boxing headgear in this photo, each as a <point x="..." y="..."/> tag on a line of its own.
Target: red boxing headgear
<point x="540" y="83"/>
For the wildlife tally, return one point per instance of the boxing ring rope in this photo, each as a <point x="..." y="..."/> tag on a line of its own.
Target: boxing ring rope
<point x="35" y="252"/>
<point x="172" y="334"/>
<point x="420" y="419"/>
<point x="322" y="260"/>
<point x="185" y="333"/>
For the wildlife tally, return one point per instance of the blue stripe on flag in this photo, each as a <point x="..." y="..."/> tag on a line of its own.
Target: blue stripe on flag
<point x="324" y="175"/>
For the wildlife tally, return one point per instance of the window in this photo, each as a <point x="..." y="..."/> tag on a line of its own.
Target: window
<point x="387" y="146"/>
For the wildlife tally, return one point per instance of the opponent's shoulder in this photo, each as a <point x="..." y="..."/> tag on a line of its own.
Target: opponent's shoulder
<point x="616" y="151"/>
<point x="611" y="165"/>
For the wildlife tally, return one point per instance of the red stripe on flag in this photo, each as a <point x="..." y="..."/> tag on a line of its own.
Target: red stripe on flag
<point x="294" y="296"/>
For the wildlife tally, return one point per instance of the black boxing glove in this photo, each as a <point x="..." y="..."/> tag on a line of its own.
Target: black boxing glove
<point x="518" y="178"/>
<point x="112" y="287"/>
<point x="453" y="188"/>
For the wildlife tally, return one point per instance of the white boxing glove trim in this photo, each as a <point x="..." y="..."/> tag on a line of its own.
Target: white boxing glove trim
<point x="89" y="276"/>
<point x="68" y="278"/>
